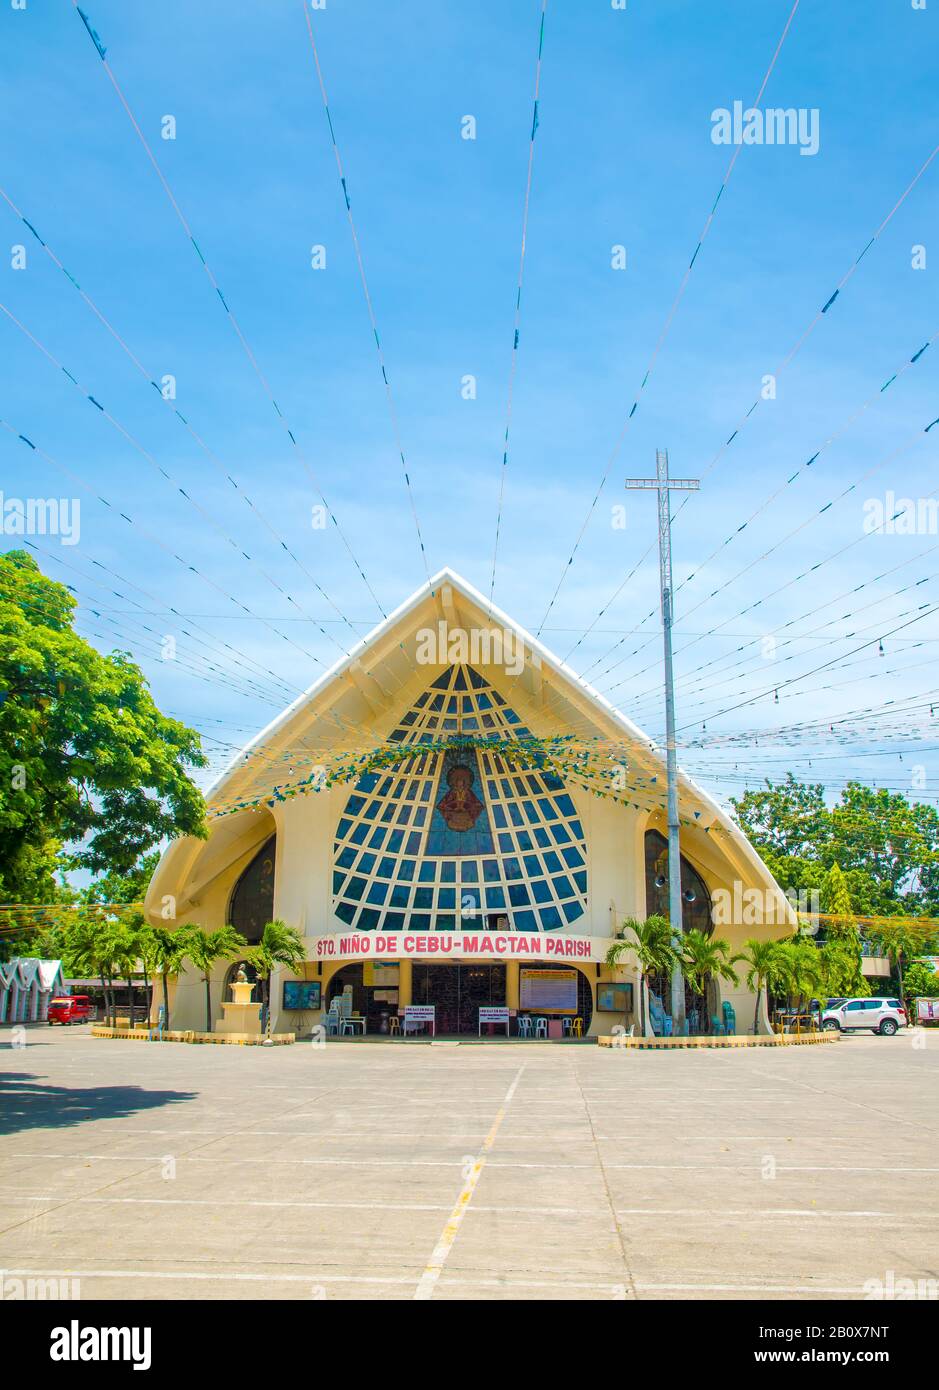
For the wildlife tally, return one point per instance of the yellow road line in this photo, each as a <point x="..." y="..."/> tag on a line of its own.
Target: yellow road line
<point x="434" y="1267"/>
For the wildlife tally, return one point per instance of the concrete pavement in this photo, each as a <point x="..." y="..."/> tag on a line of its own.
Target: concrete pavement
<point x="513" y="1171"/>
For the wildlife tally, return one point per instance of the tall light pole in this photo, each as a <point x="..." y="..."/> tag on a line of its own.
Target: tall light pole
<point x="664" y="485"/>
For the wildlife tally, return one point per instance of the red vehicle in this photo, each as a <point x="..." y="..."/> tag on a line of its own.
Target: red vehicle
<point x="69" y="1008"/>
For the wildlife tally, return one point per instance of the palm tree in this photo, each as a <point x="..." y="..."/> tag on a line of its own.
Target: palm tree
<point x="761" y="957"/>
<point x="91" y="948"/>
<point x="168" y="951"/>
<point x="703" y="956"/>
<point x="797" y="968"/>
<point x="653" y="949"/>
<point x="279" y="945"/>
<point x="128" y="944"/>
<point x="204" y="948"/>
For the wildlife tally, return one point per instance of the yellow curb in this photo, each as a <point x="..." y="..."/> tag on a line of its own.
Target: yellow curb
<point x="235" y="1039"/>
<point x="774" y="1040"/>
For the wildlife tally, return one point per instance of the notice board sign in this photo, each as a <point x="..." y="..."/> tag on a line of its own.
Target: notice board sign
<point x="380" y="974"/>
<point x="416" y="1015"/>
<point x="550" y="991"/>
<point x="493" y="1013"/>
<point x="420" y="1013"/>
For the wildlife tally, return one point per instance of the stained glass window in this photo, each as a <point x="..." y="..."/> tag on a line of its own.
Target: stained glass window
<point x="463" y="817"/>
<point x="695" y="898"/>
<point x="252" y="901"/>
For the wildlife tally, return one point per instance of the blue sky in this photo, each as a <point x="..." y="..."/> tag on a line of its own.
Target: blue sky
<point x="623" y="156"/>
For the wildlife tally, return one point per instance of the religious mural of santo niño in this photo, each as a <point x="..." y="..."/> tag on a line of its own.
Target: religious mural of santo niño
<point x="459" y="824"/>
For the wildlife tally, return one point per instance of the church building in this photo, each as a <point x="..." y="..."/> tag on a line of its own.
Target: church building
<point x="458" y="825"/>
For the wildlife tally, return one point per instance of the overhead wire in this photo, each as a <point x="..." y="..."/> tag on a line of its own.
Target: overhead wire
<point x="177" y="413"/>
<point x="792" y="352"/>
<point x="517" y="320"/>
<point x="239" y="333"/>
<point x="665" y="329"/>
<point x="389" y="395"/>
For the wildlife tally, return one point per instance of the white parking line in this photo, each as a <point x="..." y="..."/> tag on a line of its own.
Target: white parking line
<point x="240" y="1202"/>
<point x="753" y="1166"/>
<point x="710" y="1213"/>
<point x="455" y="1281"/>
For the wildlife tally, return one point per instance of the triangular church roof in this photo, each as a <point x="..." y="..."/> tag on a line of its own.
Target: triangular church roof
<point x="375" y="680"/>
<point x="355" y="706"/>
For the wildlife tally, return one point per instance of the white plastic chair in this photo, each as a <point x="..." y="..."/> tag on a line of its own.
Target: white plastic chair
<point x="541" y="1027"/>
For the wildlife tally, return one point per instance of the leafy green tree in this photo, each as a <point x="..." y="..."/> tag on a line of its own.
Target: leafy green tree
<point x="652" y="947"/>
<point x="788" y="820"/>
<point x="840" y="947"/>
<point x="886" y="846"/>
<point x="92" y="774"/>
<point x="761" y="957"/>
<point x="840" y="962"/>
<point x="204" y="948"/>
<point x="279" y="945"/>
<point x="122" y="886"/>
<point x="836" y="903"/>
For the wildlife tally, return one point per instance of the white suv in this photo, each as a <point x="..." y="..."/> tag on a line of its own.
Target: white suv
<point x="879" y="1015"/>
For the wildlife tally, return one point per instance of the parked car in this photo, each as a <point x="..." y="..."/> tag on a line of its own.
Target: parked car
<point x="877" y="1015"/>
<point x="69" y="1008"/>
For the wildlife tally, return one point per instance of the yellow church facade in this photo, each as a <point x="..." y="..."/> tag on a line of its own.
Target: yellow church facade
<point x="458" y="825"/>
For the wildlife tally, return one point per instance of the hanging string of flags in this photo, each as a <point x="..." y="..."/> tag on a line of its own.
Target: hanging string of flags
<point x="177" y="413"/>
<point x="236" y="327"/>
<point x="600" y="766"/>
<point x="666" y="327"/>
<point x="806" y="573"/>
<point x="812" y="612"/>
<point x="360" y="262"/>
<point x="516" y="326"/>
<point x="791" y="354"/>
<point x="201" y="511"/>
<point x="241" y="665"/>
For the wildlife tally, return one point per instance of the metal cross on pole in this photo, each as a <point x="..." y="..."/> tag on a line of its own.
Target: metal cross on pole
<point x="664" y="485"/>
